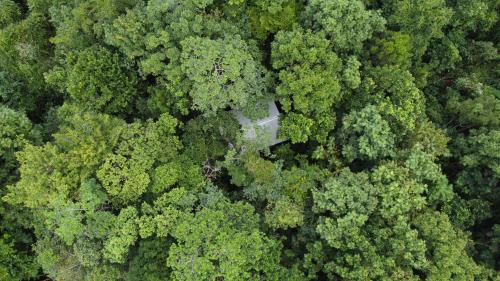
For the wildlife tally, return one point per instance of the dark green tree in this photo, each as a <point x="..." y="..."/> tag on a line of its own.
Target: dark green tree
<point x="97" y="79"/>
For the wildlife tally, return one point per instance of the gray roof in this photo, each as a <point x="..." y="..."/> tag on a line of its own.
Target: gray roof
<point x="268" y="126"/>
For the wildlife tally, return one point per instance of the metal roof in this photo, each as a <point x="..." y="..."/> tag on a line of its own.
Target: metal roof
<point x="268" y="126"/>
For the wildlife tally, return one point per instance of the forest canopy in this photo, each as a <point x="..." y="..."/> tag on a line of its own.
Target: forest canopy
<point x="121" y="157"/>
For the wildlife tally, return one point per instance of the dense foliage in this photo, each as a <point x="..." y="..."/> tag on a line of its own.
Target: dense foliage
<point x="120" y="159"/>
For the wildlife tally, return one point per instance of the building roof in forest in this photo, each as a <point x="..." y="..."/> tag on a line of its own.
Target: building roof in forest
<point x="269" y="125"/>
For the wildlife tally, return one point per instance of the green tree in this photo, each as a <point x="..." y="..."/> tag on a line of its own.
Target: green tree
<point x="207" y="138"/>
<point x="423" y="168"/>
<point x="10" y="90"/>
<point x="9" y="13"/>
<point x="15" y="265"/>
<point x="447" y="247"/>
<point x="395" y="48"/>
<point x="16" y="258"/>
<point x="81" y="225"/>
<point x="54" y="169"/>
<point x="125" y="174"/>
<point x="222" y="73"/>
<point x="71" y="233"/>
<point x="479" y="108"/>
<point x="346" y="23"/>
<point x="432" y="140"/>
<point x="478" y="155"/>
<point x="97" y="79"/>
<point x="124" y="233"/>
<point x="423" y="20"/>
<point x="25" y="54"/>
<point x="17" y="131"/>
<point x="474" y="15"/>
<point x="152" y="34"/>
<point x="80" y="24"/>
<point x="368" y="231"/>
<point x="272" y="16"/>
<point x="149" y="263"/>
<point x="394" y="92"/>
<point x="297" y="127"/>
<point x="280" y="194"/>
<point x="215" y="243"/>
<point x="366" y="135"/>
<point x="309" y="83"/>
<point x="351" y="76"/>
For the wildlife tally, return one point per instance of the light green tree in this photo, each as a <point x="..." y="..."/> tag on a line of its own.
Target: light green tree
<point x="218" y="243"/>
<point x="309" y="82"/>
<point x="221" y="72"/>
